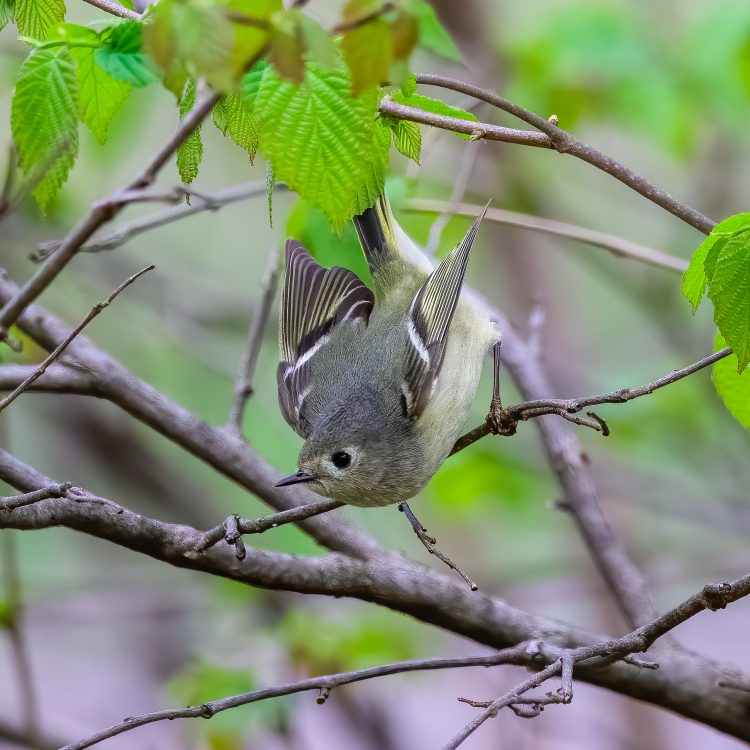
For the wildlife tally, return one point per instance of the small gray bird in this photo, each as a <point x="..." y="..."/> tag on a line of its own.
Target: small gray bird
<point x="379" y="385"/>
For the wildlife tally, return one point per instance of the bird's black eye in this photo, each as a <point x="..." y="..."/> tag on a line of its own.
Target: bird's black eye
<point x="341" y="459"/>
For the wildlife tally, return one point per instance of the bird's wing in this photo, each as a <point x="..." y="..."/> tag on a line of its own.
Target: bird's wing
<point x="314" y="301"/>
<point x="428" y="323"/>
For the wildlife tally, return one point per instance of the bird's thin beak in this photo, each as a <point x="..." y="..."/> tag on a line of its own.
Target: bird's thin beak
<point x="296" y="478"/>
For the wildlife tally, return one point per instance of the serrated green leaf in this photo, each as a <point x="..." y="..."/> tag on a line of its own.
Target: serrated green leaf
<point x="44" y="119"/>
<point x="702" y="263"/>
<point x="409" y="86"/>
<point x="436" y="106"/>
<point x="34" y="17"/>
<point x="232" y="118"/>
<point x="432" y="34"/>
<point x="100" y="95"/>
<point x="321" y="141"/>
<point x="729" y="290"/>
<point x="190" y="152"/>
<point x="407" y="137"/>
<point x="732" y="387"/>
<point x="121" y="55"/>
<point x="368" y="52"/>
<point x="7" y="12"/>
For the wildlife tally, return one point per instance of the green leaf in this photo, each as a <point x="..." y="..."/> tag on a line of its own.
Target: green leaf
<point x="7" y="12"/>
<point x="703" y="261"/>
<point x="368" y="52"/>
<point x="199" y="36"/>
<point x="436" y="106"/>
<point x="409" y="86"/>
<point x="34" y="17"/>
<point x="732" y="387"/>
<point x="321" y="141"/>
<point x="190" y="152"/>
<point x="407" y="137"/>
<point x="432" y="34"/>
<point x="100" y="95"/>
<point x="44" y="119"/>
<point x="232" y="118"/>
<point x="729" y="290"/>
<point x="121" y="55"/>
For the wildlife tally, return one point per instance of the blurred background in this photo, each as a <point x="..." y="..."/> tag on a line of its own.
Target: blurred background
<point x="663" y="87"/>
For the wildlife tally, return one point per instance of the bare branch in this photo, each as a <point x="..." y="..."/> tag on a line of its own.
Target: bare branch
<point x="243" y="388"/>
<point x="430" y="544"/>
<point x="113" y="8"/>
<point x="471" y="152"/>
<point x="101" y="213"/>
<point x="29" y="498"/>
<point x="565" y="143"/>
<point x="469" y="127"/>
<point x="684" y="683"/>
<point x="567" y="407"/>
<point x="95" y="310"/>
<point x="712" y="597"/>
<point x="324" y="682"/>
<point x="205" y="202"/>
<point x="618" y="246"/>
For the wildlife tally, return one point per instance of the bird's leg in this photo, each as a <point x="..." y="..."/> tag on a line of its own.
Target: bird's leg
<point x="430" y="543"/>
<point x="499" y="421"/>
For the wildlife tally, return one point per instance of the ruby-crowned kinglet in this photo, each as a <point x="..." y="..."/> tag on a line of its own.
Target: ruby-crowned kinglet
<point x="379" y="385"/>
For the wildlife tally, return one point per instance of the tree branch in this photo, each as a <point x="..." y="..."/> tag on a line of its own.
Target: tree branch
<point x="203" y="202"/>
<point x="468" y="127"/>
<point x="511" y="415"/>
<point x="63" y="345"/>
<point x="711" y="597"/>
<point x="684" y="682"/>
<point x="243" y="388"/>
<point x="108" y="6"/>
<point x="618" y="246"/>
<point x="566" y="143"/>
<point x="324" y="683"/>
<point x="101" y="213"/>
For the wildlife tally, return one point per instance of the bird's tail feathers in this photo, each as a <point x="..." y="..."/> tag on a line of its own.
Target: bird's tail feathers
<point x="377" y="235"/>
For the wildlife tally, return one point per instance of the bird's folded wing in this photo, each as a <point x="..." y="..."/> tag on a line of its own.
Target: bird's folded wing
<point x="314" y="301"/>
<point x="428" y="323"/>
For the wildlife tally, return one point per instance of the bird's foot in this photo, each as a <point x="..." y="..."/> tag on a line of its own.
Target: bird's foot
<point x="499" y="420"/>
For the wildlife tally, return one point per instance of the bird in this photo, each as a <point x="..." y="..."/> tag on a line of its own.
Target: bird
<point x="379" y="382"/>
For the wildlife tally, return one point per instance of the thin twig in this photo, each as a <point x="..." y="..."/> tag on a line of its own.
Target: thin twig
<point x="243" y="388"/>
<point x="468" y="163"/>
<point x="618" y="246"/>
<point x="124" y="232"/>
<point x="567" y="407"/>
<point x="95" y="310"/>
<point x="566" y="143"/>
<point x="102" y="212"/>
<point x="712" y="597"/>
<point x="29" y="498"/>
<point x="326" y="683"/>
<point x="19" y="648"/>
<point x="469" y="127"/>
<point x="231" y="528"/>
<point x="113" y="8"/>
<point x="430" y="544"/>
